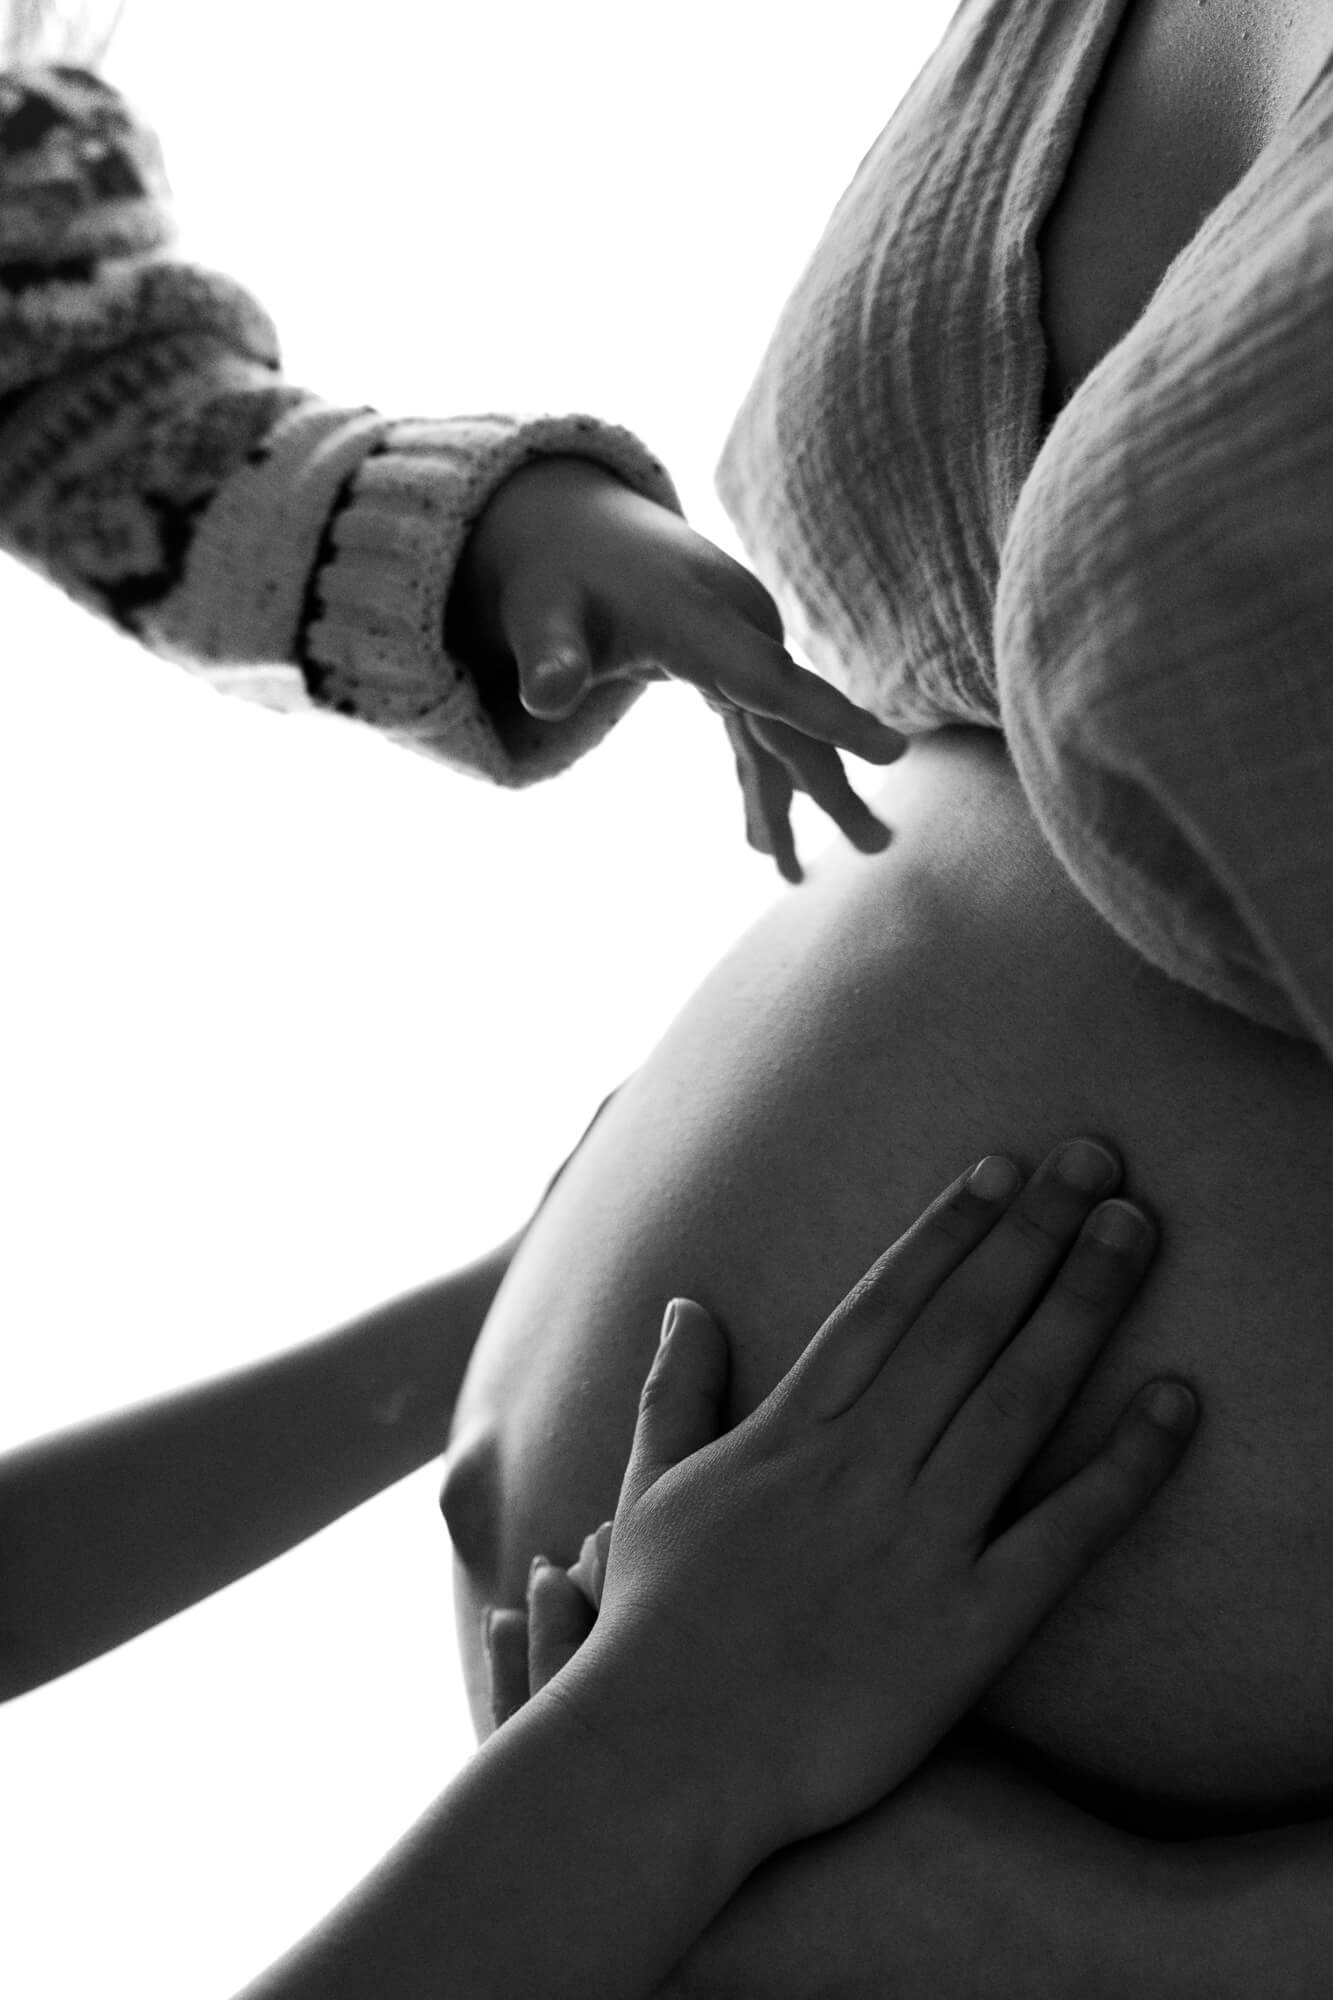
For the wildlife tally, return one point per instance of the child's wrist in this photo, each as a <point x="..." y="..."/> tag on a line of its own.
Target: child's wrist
<point x="713" y="1797"/>
<point x="514" y="522"/>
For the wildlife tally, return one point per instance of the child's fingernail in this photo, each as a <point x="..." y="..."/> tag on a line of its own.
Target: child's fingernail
<point x="535" y="1568"/>
<point x="558" y="681"/>
<point x="669" y="1319"/>
<point x="993" y="1178"/>
<point x="590" y="1569"/>
<point x="1171" y="1405"/>
<point x="1119" y="1225"/>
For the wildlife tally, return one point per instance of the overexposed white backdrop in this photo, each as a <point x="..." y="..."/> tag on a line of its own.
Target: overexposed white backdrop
<point x="292" y="1020"/>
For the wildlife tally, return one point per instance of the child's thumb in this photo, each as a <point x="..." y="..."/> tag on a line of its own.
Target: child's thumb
<point x="681" y="1407"/>
<point x="551" y="654"/>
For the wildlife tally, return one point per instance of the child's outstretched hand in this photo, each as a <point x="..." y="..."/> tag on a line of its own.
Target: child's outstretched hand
<point x="572" y="579"/>
<point x="812" y="1600"/>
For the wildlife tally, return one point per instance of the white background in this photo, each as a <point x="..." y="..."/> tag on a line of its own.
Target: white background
<point x="293" y="1020"/>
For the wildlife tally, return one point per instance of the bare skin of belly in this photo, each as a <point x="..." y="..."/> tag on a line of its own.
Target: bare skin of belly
<point x="899" y="1017"/>
<point x="873" y="1034"/>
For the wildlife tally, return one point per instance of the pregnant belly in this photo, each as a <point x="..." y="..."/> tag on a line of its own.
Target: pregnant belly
<point x="873" y="1034"/>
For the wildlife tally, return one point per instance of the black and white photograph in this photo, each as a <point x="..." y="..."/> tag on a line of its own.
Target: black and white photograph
<point x="666" y="883"/>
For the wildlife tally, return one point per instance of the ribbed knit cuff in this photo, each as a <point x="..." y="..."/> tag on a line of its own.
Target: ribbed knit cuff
<point x="372" y="644"/>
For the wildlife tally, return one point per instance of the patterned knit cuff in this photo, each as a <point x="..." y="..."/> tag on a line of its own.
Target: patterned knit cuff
<point x="372" y="643"/>
<point x="83" y="174"/>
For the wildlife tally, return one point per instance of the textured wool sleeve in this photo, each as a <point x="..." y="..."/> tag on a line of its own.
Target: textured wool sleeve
<point x="1164" y="623"/>
<point x="155" y="464"/>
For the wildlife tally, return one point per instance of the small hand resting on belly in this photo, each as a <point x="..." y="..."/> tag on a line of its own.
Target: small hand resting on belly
<point x="571" y="582"/>
<point x="898" y="1014"/>
<point x="762" y="1669"/>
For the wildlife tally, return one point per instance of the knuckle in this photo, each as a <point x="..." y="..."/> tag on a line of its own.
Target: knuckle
<point x="1089" y="1286"/>
<point x="1102" y="1510"/>
<point x="737" y="674"/>
<point x="779" y="664"/>
<point x="656" y="1389"/>
<point x="1019" y="1394"/>
<point x="1115" y="1498"/>
<point x="955" y="1220"/>
<point x="1038" y="1228"/>
<point x="1134" y="1452"/>
<point x="878" y="1295"/>
<point x="1073" y="1535"/>
<point x="740" y="590"/>
<point x="873" y="1292"/>
<point x="1065" y="1540"/>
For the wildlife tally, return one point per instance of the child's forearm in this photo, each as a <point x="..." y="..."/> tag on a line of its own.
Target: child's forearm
<point x="560" y="1862"/>
<point x="110" y="1527"/>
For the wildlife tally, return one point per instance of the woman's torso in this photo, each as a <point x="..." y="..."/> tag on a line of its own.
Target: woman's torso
<point x="902" y="1015"/>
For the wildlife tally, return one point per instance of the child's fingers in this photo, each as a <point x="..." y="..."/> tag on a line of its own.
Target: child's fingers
<point x="559" y="1620"/>
<point x="1016" y="1404"/>
<point x="505" y="1634"/>
<point x="978" y="1309"/>
<point x="765" y="680"/>
<point x="681" y="1407"/>
<point x="1033" y="1563"/>
<point x="815" y="768"/>
<point x="589" y="1572"/>
<point x="747" y="758"/>
<point x="852" y="1346"/>
<point x="766" y="788"/>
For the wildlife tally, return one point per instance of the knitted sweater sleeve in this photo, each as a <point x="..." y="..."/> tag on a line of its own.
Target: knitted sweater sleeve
<point x="156" y="465"/>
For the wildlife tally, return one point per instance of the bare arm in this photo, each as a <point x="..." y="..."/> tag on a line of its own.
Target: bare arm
<point x="561" y="1861"/>
<point x="723" y="1706"/>
<point x="108" y="1528"/>
<point x="973" y="1878"/>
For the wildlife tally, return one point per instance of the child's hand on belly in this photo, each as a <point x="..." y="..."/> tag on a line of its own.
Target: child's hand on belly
<point x="810" y="1602"/>
<point x="571" y="579"/>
